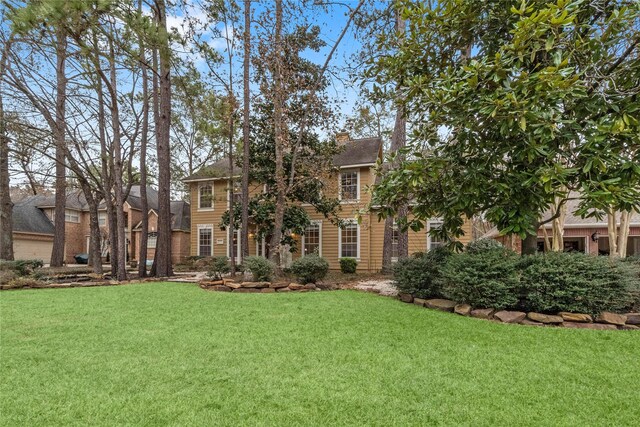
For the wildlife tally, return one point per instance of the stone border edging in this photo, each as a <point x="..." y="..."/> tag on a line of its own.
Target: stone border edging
<point x="604" y="321"/>
<point x="228" y="285"/>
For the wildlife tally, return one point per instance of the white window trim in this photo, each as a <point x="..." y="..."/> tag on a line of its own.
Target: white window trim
<point x="105" y="218"/>
<point x="340" y="186"/>
<point x="394" y="227"/>
<point x="205" y="227"/>
<point x="319" y="223"/>
<point x="429" y="223"/>
<point x="212" y="196"/>
<point x="340" y="240"/>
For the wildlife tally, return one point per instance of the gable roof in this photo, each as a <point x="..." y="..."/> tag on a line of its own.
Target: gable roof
<point x="359" y="152"/>
<point x="28" y="218"/>
<point x="74" y="200"/>
<point x="356" y="152"/>
<point x="180" y="216"/>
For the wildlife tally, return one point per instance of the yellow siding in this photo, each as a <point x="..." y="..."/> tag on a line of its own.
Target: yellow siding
<point x="371" y="230"/>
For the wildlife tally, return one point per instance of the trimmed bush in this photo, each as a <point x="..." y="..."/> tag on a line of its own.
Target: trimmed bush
<point x="218" y="266"/>
<point x="261" y="268"/>
<point x="348" y="265"/>
<point x="576" y="282"/>
<point x="310" y="268"/>
<point x="482" y="245"/>
<point x="486" y="279"/>
<point x="421" y="275"/>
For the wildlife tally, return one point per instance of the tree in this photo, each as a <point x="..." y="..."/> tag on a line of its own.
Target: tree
<point x="508" y="117"/>
<point x="6" y="205"/>
<point x="244" y="220"/>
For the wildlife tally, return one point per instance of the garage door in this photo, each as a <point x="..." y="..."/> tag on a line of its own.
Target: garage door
<point x="32" y="249"/>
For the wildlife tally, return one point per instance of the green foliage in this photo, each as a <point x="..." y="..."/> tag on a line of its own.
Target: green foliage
<point x="576" y="282"/>
<point x="21" y="267"/>
<point x="521" y="91"/>
<point x="482" y="245"/>
<point x="487" y="279"/>
<point x="261" y="268"/>
<point x="421" y="274"/>
<point x="310" y="268"/>
<point x="348" y="265"/>
<point x="218" y="266"/>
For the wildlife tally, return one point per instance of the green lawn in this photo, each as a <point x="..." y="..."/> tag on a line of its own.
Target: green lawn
<point x="172" y="354"/>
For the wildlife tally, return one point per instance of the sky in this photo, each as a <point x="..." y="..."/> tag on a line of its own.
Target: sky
<point x="331" y="22"/>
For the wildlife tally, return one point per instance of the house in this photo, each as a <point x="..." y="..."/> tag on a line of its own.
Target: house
<point x="33" y="221"/>
<point x="363" y="241"/>
<point x="588" y="235"/>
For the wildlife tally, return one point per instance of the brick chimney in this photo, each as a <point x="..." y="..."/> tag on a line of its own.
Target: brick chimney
<point x="342" y="137"/>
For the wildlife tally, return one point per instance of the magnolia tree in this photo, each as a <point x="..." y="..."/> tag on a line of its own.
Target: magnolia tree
<point x="513" y="108"/>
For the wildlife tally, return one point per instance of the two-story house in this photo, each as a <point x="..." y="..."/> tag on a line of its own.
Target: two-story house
<point x="363" y="241"/>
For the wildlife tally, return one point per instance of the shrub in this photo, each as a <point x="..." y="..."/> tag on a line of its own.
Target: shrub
<point x="6" y="276"/>
<point x="577" y="282"/>
<point x="218" y="266"/>
<point x="482" y="245"/>
<point x="483" y="279"/>
<point x="310" y="268"/>
<point x="21" y="267"/>
<point x="348" y="265"/>
<point x="421" y="274"/>
<point x="261" y="268"/>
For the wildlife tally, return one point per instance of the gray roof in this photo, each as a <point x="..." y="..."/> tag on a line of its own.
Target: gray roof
<point x="28" y="218"/>
<point x="365" y="151"/>
<point x="75" y="200"/>
<point x="218" y="169"/>
<point x="135" y="201"/>
<point x="180" y="216"/>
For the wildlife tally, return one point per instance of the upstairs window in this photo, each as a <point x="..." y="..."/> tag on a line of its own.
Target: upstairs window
<point x="71" y="215"/>
<point x="102" y="219"/>
<point x="205" y="197"/>
<point x="349" y="189"/>
<point x="152" y="240"/>
<point x="237" y="192"/>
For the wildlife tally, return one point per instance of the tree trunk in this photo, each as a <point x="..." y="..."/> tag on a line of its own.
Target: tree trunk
<point x="121" y="272"/>
<point x="95" y="256"/>
<point x="612" y="231"/>
<point x="232" y="231"/>
<point x="558" y="225"/>
<point x="398" y="140"/>
<point x="279" y="132"/>
<point x="144" y="235"/>
<point x="59" y="133"/>
<point x="163" y="246"/>
<point x="6" y="205"/>
<point x="623" y="233"/>
<point x="244" y="244"/>
<point x="530" y="243"/>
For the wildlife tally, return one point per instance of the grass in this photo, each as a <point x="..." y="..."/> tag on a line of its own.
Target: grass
<point x="172" y="354"/>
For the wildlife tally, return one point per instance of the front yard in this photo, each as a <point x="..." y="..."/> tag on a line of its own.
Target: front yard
<point x="172" y="354"/>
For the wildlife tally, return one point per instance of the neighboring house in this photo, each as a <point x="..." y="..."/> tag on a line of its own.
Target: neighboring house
<point x="32" y="230"/>
<point x="210" y="199"/>
<point x="77" y="228"/>
<point x="588" y="235"/>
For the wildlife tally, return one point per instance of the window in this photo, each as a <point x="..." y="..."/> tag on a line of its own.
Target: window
<point x="312" y="240"/>
<point x="350" y="240"/>
<point x="434" y="241"/>
<point x="102" y="219"/>
<point x="71" y="215"/>
<point x="237" y="192"/>
<point x="349" y="185"/>
<point x="235" y="243"/>
<point x="205" y="240"/>
<point x="205" y="197"/>
<point x="152" y="239"/>
<point x="395" y="237"/>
